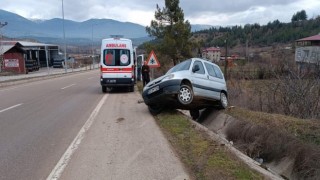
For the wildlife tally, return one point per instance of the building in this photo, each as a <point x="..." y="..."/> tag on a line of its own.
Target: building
<point x="13" y="58"/>
<point x="308" y="51"/>
<point x="36" y="55"/>
<point x="213" y="54"/>
<point x="41" y="52"/>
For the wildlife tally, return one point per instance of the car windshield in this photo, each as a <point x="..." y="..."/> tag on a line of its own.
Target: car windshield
<point x="185" y="65"/>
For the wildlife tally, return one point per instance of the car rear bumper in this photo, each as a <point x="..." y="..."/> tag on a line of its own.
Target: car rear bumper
<point x="116" y="82"/>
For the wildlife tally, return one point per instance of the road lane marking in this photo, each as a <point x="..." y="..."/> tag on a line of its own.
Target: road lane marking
<point x="68" y="86"/>
<point x="64" y="160"/>
<point x="90" y="77"/>
<point x="1" y="111"/>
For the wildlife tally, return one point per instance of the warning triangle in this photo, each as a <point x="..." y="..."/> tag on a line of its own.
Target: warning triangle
<point x="152" y="60"/>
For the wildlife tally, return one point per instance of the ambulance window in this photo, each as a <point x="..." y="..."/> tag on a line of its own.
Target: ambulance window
<point x="109" y="58"/>
<point x="117" y="57"/>
<point x="124" y="57"/>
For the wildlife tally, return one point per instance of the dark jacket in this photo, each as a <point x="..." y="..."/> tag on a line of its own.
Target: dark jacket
<point x="145" y="71"/>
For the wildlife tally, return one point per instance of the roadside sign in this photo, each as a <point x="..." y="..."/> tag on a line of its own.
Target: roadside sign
<point x="152" y="60"/>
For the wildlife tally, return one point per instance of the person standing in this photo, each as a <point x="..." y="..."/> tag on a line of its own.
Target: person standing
<point x="145" y="73"/>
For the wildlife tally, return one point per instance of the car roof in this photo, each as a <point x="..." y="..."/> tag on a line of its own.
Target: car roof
<point x="204" y="60"/>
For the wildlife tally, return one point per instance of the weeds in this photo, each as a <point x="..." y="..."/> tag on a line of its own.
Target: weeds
<point x="204" y="158"/>
<point x="272" y="142"/>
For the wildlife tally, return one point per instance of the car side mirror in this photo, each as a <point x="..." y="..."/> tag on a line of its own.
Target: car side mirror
<point x="195" y="68"/>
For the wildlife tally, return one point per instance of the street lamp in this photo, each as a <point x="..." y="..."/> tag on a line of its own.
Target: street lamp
<point x="64" y="38"/>
<point x="92" y="48"/>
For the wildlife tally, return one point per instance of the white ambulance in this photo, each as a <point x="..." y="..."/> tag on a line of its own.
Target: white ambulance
<point x="117" y="64"/>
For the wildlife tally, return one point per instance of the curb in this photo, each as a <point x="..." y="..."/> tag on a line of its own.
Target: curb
<point x="268" y="173"/>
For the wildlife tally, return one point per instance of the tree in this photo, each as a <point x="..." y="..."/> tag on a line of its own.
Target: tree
<point x="299" y="16"/>
<point x="172" y="31"/>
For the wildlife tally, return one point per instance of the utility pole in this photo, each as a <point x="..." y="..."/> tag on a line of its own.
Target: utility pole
<point x="92" y="48"/>
<point x="1" y="55"/>
<point x="247" y="52"/>
<point x="65" y="44"/>
<point x="226" y="60"/>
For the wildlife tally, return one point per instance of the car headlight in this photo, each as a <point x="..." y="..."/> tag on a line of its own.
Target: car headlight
<point x="170" y="76"/>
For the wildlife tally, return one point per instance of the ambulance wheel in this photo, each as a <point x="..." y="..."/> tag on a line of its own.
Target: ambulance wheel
<point x="131" y="88"/>
<point x="104" y="89"/>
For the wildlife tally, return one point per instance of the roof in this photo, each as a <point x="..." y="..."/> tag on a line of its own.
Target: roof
<point x="311" y="38"/>
<point x="211" y="49"/>
<point x="6" y="46"/>
<point x="32" y="44"/>
<point x="28" y="44"/>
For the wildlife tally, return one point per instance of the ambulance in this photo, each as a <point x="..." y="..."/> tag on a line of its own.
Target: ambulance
<point x="117" y="64"/>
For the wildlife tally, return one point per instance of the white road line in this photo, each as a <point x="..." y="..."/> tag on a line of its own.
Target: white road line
<point x="68" y="86"/>
<point x="1" y="111"/>
<point x="90" y="77"/>
<point x="63" y="162"/>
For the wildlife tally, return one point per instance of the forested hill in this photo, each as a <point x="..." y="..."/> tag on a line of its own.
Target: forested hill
<point x="261" y="35"/>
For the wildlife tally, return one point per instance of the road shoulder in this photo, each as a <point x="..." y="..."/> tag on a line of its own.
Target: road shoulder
<point x="124" y="142"/>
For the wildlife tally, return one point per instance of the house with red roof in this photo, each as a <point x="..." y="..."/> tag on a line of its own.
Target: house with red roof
<point x="212" y="53"/>
<point x="12" y="57"/>
<point x="308" y="50"/>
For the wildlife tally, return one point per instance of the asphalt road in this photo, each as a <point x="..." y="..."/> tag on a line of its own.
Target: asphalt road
<point x="39" y="120"/>
<point x="102" y="136"/>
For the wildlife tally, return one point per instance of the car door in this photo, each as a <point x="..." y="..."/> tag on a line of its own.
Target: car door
<point x="215" y="80"/>
<point x="199" y="80"/>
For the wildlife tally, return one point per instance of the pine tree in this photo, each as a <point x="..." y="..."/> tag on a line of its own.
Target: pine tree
<point x="173" y="32"/>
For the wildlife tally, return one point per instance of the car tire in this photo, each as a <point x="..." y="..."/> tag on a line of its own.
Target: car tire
<point x="194" y="113"/>
<point x="155" y="109"/>
<point x="185" y="95"/>
<point x="223" y="100"/>
<point x="104" y="89"/>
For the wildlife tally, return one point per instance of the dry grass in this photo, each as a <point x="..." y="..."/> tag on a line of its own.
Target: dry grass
<point x="273" y="137"/>
<point x="306" y="130"/>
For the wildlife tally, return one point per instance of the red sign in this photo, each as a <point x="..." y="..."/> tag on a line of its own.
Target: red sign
<point x="153" y="60"/>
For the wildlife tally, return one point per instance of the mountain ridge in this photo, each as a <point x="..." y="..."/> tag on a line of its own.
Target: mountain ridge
<point x="92" y="29"/>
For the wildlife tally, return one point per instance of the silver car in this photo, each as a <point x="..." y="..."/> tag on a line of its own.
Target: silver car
<point x="193" y="84"/>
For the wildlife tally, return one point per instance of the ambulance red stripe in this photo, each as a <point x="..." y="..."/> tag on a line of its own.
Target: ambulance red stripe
<point x="116" y="69"/>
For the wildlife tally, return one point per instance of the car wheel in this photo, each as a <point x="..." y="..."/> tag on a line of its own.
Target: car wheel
<point x="155" y="109"/>
<point x="185" y="95"/>
<point x="104" y="89"/>
<point x="223" y="100"/>
<point x="194" y="113"/>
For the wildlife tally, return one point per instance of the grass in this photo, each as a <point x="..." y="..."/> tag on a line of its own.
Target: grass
<point x="204" y="158"/>
<point x="274" y="137"/>
<point x="306" y="130"/>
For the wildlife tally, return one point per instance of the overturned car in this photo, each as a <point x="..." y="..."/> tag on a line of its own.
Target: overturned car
<point x="193" y="84"/>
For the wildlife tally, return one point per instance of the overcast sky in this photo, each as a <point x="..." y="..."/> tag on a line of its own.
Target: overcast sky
<point x="211" y="12"/>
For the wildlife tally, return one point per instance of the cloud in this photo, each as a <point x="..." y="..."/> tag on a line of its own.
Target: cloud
<point x="213" y="12"/>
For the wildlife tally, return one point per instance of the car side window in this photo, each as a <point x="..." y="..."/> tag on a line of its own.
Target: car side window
<point x="210" y="69"/>
<point x="218" y="72"/>
<point x="201" y="68"/>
